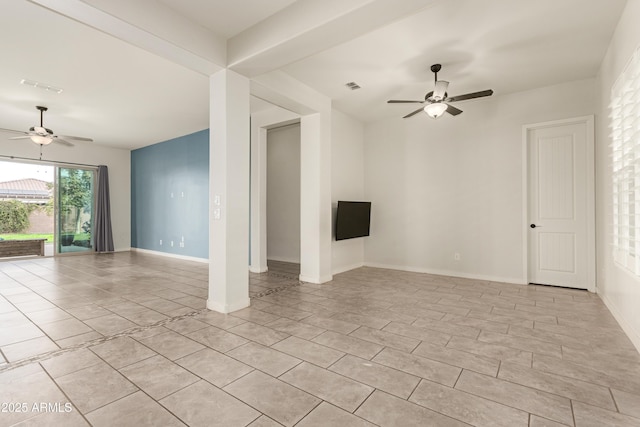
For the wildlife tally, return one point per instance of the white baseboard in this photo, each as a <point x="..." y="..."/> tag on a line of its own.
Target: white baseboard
<point x="316" y="280"/>
<point x="283" y="259"/>
<point x="348" y="268"/>
<point x="517" y="281"/>
<point x="258" y="269"/>
<point x="628" y="329"/>
<point x="168" y="255"/>
<point x="227" y="308"/>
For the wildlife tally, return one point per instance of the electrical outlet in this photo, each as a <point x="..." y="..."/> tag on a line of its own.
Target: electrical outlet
<point x="456" y="256"/>
<point x="160" y="242"/>
<point x="172" y="243"/>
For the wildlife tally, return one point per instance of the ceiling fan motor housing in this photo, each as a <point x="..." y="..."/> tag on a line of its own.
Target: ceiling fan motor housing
<point x="41" y="130"/>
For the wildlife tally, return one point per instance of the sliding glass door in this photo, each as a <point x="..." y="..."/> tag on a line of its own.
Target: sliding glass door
<point x="75" y="209"/>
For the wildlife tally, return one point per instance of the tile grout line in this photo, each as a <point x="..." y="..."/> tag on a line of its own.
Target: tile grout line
<point x="460" y="375"/>
<point x="65" y="394"/>
<point x="363" y="401"/>
<point x="614" y="400"/>
<point x="222" y="389"/>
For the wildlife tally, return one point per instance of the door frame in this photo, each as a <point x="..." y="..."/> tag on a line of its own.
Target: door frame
<point x="56" y="207"/>
<point x="588" y="121"/>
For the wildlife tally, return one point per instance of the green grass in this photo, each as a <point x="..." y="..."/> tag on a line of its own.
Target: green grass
<point x="15" y="236"/>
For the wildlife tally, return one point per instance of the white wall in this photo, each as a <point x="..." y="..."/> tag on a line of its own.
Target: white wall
<point x="619" y="288"/>
<point x="283" y="194"/>
<point x="347" y="183"/>
<point x="455" y="184"/>
<point x="117" y="160"/>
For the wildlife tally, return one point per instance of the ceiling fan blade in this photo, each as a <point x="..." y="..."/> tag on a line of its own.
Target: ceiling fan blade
<point x="13" y="131"/>
<point x="473" y="95"/>
<point x="62" y="141"/>
<point x="402" y="101"/>
<point x="413" y="113"/>
<point x="453" y="110"/>
<point x="76" y="138"/>
<point x="41" y="135"/>
<point x="440" y="90"/>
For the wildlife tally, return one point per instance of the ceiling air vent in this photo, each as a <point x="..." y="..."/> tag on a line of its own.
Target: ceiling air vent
<point x="40" y="85"/>
<point x="353" y="85"/>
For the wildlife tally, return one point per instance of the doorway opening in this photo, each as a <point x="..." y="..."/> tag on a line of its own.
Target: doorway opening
<point x="74" y="209"/>
<point x="46" y="202"/>
<point x="283" y="199"/>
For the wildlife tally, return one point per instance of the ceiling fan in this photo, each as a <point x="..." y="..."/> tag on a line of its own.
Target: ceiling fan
<point x="438" y="100"/>
<point x="44" y="136"/>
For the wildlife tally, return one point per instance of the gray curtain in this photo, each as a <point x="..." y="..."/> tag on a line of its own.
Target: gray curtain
<point x="102" y="230"/>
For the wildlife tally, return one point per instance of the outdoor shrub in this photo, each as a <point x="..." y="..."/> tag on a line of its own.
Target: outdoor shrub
<point x="14" y="217"/>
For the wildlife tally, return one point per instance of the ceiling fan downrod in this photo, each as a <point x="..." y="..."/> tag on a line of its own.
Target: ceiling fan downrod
<point x="435" y="68"/>
<point x="42" y="110"/>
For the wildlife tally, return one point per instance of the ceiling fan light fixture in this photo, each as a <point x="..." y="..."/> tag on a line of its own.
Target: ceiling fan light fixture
<point x="41" y="139"/>
<point x="435" y="109"/>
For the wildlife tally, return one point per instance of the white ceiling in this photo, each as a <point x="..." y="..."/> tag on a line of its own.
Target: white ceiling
<point x="226" y="17"/>
<point x="115" y="93"/>
<point x="504" y="45"/>
<point x="124" y="96"/>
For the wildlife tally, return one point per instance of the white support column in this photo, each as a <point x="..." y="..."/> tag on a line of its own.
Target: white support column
<point x="315" y="198"/>
<point x="258" y="199"/>
<point x="228" y="192"/>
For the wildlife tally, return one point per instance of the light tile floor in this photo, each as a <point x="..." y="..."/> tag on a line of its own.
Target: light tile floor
<point x="124" y="340"/>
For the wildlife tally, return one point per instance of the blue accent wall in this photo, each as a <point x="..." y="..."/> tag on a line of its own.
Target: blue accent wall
<point x="170" y="196"/>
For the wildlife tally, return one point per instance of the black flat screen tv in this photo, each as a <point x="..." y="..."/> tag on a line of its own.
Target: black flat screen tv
<point x="352" y="219"/>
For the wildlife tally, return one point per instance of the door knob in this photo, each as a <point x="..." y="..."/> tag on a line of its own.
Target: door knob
<point x="534" y="226"/>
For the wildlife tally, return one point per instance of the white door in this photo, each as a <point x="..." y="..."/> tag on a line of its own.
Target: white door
<point x="559" y="172"/>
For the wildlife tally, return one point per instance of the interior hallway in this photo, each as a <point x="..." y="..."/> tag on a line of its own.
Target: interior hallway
<point x="124" y="339"/>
